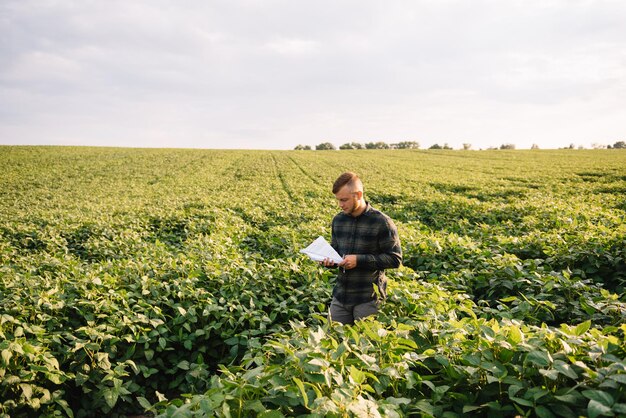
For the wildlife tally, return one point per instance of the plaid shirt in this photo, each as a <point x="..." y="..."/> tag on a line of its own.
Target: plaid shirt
<point x="373" y="238"/>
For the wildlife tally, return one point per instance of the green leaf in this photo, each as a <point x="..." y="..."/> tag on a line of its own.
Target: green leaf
<point x="620" y="408"/>
<point x="595" y="409"/>
<point x="470" y="408"/>
<point x="253" y="374"/>
<point x="110" y="396"/>
<point x="599" y="396"/>
<point x="102" y="359"/>
<point x="6" y="357"/>
<point x="55" y="377"/>
<point x="271" y="414"/>
<point x="300" y="385"/>
<point x="515" y="335"/>
<point x="407" y="343"/>
<point x="568" y="398"/>
<point x="425" y="406"/>
<point x="540" y="358"/>
<point x="562" y="410"/>
<point x="398" y="401"/>
<point x="543" y="412"/>
<point x="145" y="404"/>
<point x="549" y="373"/>
<point x="232" y="341"/>
<point x="27" y="390"/>
<point x="81" y="378"/>
<point x="537" y="393"/>
<point x="514" y="389"/>
<point x="66" y="408"/>
<point x="356" y="375"/>
<point x="320" y="362"/>
<point x="521" y="401"/>
<point x="582" y="328"/>
<point x="160" y="397"/>
<point x="565" y="369"/>
<point x="620" y="378"/>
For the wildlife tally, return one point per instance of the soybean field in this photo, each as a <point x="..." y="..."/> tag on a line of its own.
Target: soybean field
<point x="169" y="282"/>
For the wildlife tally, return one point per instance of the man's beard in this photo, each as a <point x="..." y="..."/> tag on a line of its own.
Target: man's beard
<point x="355" y="206"/>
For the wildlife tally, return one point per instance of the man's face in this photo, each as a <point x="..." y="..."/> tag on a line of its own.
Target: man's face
<point x="347" y="200"/>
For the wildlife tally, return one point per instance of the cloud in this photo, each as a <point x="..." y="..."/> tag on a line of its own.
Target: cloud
<point x="293" y="46"/>
<point x="263" y="74"/>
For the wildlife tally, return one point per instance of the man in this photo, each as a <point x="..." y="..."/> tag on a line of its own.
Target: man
<point x="368" y="241"/>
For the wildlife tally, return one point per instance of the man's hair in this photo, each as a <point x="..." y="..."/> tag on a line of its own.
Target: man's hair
<point x="348" y="179"/>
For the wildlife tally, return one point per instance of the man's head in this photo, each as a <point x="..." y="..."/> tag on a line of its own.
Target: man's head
<point x="348" y="190"/>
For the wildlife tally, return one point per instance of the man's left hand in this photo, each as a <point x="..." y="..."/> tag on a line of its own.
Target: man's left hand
<point x="349" y="262"/>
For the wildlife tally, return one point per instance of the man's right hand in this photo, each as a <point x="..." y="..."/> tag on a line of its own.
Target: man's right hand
<point x="328" y="263"/>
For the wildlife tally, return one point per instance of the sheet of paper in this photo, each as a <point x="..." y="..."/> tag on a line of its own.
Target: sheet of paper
<point x="321" y="249"/>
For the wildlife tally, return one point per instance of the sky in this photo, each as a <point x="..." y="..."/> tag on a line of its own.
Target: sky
<point x="272" y="74"/>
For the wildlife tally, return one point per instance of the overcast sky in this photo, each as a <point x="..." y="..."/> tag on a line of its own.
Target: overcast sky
<point x="271" y="74"/>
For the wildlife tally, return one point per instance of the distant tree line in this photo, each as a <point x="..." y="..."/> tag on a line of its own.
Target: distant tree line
<point x="368" y="145"/>
<point x="416" y="145"/>
<point x="375" y="145"/>
<point x="358" y="145"/>
<point x="596" y="145"/>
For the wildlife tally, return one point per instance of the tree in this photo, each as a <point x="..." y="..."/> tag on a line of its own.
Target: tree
<point x="406" y="145"/>
<point x="377" y="145"/>
<point x="325" y="146"/>
<point x="351" y="145"/>
<point x="302" y="147"/>
<point x="507" y="146"/>
<point x="535" y="146"/>
<point x="467" y="146"/>
<point x="437" y="146"/>
<point x="619" y="145"/>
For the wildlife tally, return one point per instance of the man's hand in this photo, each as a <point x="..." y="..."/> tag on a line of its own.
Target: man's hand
<point x="328" y="263"/>
<point x="349" y="262"/>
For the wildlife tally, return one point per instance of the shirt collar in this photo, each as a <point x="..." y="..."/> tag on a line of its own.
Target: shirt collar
<point x="368" y="208"/>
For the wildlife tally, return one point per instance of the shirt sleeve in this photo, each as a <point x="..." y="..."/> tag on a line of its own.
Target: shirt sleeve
<point x="390" y="255"/>
<point x="333" y="240"/>
<point x="333" y="237"/>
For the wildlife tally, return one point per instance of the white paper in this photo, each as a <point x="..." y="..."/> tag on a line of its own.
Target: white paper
<point x="321" y="249"/>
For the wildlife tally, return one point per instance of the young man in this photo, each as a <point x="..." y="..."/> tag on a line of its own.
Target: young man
<point x="367" y="239"/>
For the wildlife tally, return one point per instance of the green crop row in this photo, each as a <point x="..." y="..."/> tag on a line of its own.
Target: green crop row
<point x="170" y="282"/>
<point x="428" y="355"/>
